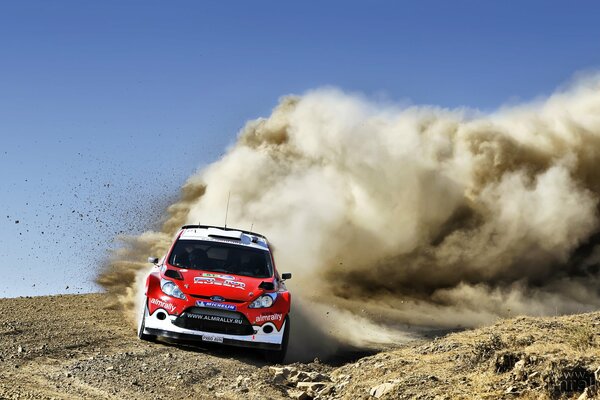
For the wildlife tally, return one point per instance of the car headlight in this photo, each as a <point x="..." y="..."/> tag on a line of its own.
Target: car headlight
<point x="171" y="289"/>
<point x="264" y="301"/>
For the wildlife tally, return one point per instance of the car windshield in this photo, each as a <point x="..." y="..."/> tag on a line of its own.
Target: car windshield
<point x="221" y="257"/>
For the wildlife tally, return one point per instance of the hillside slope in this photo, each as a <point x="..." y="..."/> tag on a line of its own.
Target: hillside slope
<point x="75" y="346"/>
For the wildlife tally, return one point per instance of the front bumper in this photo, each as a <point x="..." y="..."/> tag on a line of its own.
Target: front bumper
<point x="226" y="341"/>
<point x="165" y="327"/>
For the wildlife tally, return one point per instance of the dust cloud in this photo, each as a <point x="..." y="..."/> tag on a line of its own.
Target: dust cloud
<point x="392" y="217"/>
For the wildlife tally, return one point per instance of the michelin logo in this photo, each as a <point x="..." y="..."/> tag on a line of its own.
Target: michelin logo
<point x="212" y="304"/>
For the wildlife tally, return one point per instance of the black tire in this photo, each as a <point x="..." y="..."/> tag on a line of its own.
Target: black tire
<point x="141" y="327"/>
<point x="277" y="356"/>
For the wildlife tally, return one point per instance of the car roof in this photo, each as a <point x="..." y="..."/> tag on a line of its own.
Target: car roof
<point x="224" y="235"/>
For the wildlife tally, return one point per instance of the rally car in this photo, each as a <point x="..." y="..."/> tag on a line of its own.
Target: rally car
<point x="218" y="285"/>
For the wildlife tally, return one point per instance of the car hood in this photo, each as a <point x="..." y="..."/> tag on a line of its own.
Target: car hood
<point x="228" y="286"/>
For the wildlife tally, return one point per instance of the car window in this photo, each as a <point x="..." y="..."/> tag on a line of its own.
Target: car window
<point x="217" y="253"/>
<point x="221" y="257"/>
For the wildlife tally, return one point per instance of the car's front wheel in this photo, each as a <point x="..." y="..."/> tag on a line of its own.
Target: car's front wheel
<point x="277" y="356"/>
<point x="142" y="325"/>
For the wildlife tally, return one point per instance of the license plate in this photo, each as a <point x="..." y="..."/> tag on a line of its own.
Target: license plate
<point x="210" y="338"/>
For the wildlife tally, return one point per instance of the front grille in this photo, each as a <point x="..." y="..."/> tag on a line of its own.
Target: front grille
<point x="214" y="321"/>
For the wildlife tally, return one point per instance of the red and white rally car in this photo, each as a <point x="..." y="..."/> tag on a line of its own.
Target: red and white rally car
<point x="218" y="285"/>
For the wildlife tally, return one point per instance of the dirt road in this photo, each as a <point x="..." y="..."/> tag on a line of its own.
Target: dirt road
<point x="76" y="346"/>
<point x="73" y="346"/>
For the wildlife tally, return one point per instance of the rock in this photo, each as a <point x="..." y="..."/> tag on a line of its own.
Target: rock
<point x="281" y="374"/>
<point x="340" y="386"/>
<point x="279" y="378"/>
<point x="382" y="389"/>
<point x="533" y="375"/>
<point x="505" y="362"/>
<point x="242" y="381"/>
<point x="318" y="377"/>
<point x="327" y="390"/>
<point x="314" y="386"/>
<point x="340" y="377"/>
<point x="278" y="370"/>
<point x="588" y="393"/>
<point x="299" y="395"/>
<point x="519" y="370"/>
<point x="300" y="376"/>
<point x="511" y="390"/>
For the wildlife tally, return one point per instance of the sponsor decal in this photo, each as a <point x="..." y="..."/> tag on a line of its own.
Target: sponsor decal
<point x="215" y="318"/>
<point x="212" y="304"/>
<point x="220" y="276"/>
<point x="269" y="317"/>
<point x="167" y="306"/>
<point x="234" y="284"/>
<point x="207" y="281"/>
<point x="211" y="279"/>
<point x="221" y="239"/>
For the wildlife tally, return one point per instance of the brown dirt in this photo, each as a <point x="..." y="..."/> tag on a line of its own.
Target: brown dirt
<point x="76" y="346"/>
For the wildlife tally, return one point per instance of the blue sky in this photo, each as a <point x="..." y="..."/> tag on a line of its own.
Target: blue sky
<point x="107" y="107"/>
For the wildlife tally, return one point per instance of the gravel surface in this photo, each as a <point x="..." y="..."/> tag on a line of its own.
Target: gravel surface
<point x="77" y="346"/>
<point x="73" y="346"/>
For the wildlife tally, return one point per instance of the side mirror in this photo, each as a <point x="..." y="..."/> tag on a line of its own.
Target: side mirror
<point x="266" y="285"/>
<point x="287" y="275"/>
<point x="153" y="260"/>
